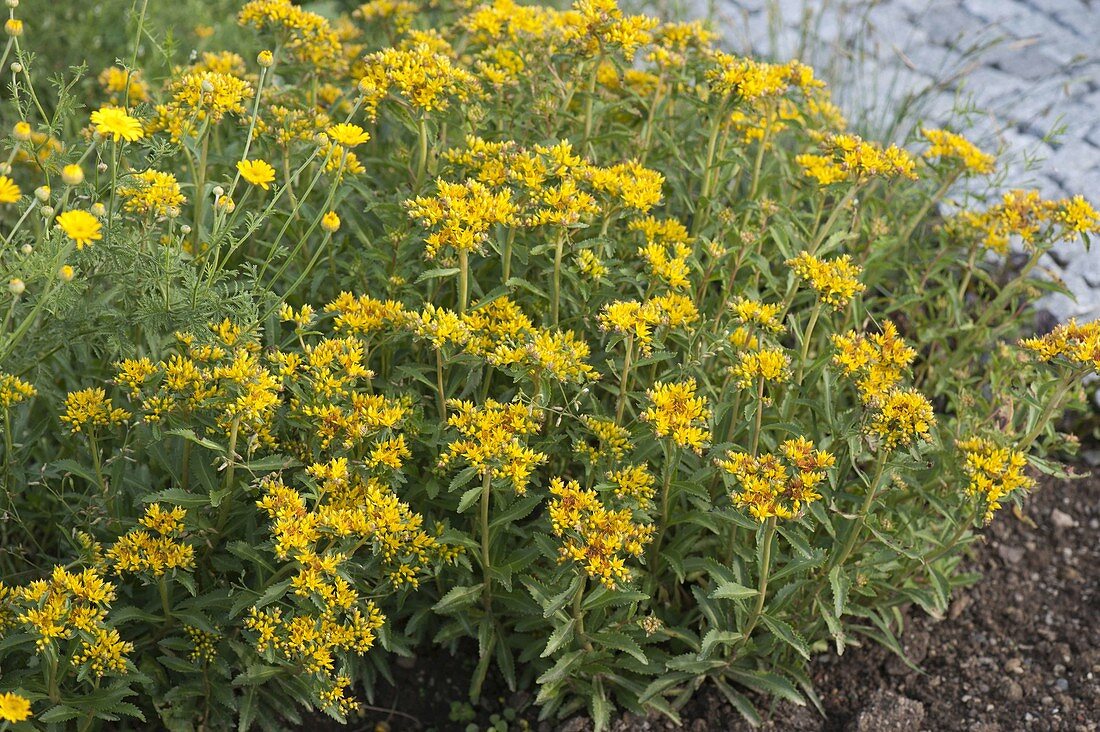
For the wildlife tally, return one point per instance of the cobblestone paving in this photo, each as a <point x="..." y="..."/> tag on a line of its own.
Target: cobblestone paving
<point x="1019" y="69"/>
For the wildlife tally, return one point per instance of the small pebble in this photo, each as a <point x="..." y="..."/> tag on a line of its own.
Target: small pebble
<point x="1062" y="520"/>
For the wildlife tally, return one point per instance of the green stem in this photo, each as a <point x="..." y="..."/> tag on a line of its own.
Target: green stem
<point x="164" y="604"/>
<point x="806" y="341"/>
<point x="487" y="585"/>
<point x="758" y="417"/>
<point x="439" y="386"/>
<point x="422" y="155"/>
<point x="624" y="380"/>
<point x="506" y="259"/>
<point x="861" y="518"/>
<point x="1063" y="387"/>
<point x="758" y="163"/>
<point x="767" y="542"/>
<point x="672" y="460"/>
<point x="578" y="614"/>
<point x="559" y="247"/>
<point x="463" y="280"/>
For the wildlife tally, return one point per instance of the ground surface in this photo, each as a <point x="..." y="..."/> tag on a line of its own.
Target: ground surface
<point x="1018" y="651"/>
<point x="1024" y="69"/>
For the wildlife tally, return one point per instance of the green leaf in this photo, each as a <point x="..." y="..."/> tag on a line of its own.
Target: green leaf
<point x="840" y="584"/>
<point x="601" y="709"/>
<point x="469" y="498"/>
<point x="436" y="273"/>
<point x="787" y="634"/>
<point x="257" y="674"/>
<point x="728" y="590"/>
<point x="561" y="635"/>
<point x="58" y="713"/>
<point x="715" y="637"/>
<point x="458" y="598"/>
<point x="560" y="670"/>
<point x="621" y="642"/>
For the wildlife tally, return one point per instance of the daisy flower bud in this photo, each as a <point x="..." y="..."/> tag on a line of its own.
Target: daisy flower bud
<point x="26" y="249"/>
<point x="265" y="59"/>
<point x="16" y="286"/>
<point x="99" y="210"/>
<point x="185" y="229"/>
<point x="13" y="4"/>
<point x="13" y="27"/>
<point x="218" y="192"/>
<point x="47" y="211"/>
<point x="330" y="222"/>
<point x="42" y="193"/>
<point x="72" y="175"/>
<point x="66" y="273"/>
<point x="17" y="68"/>
<point x="22" y="130"/>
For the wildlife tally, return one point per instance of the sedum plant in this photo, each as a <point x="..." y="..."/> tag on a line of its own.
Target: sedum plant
<point x="561" y="334"/>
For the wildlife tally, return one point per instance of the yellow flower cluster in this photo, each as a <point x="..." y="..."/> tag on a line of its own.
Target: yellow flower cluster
<point x="1077" y="345"/>
<point x="151" y="192"/>
<point x="757" y="314"/>
<point x="142" y="552"/>
<point x="951" y="146"/>
<point x="595" y="537"/>
<point x="850" y="158"/>
<point x="1029" y="217"/>
<point x="780" y="485"/>
<point x="461" y="215"/>
<point x="491" y="440"/>
<point x="70" y="604"/>
<point x="612" y="441"/>
<point x="88" y="409"/>
<point x="635" y="483"/>
<point x="994" y="471"/>
<point x="120" y="85"/>
<point x="14" y="390"/>
<point x="307" y="37"/>
<point x="639" y="320"/>
<point x="876" y="362"/>
<point x="756" y="367"/>
<point x="836" y="281"/>
<point x="350" y="511"/>
<point x="677" y="413"/>
<point x="419" y="76"/>
<point x="753" y="81"/>
<point x="903" y="416"/>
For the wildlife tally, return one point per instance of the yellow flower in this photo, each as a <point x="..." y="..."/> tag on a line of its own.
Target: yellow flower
<point x="678" y="414"/>
<point x="1077" y="346"/>
<point x="117" y="124"/>
<point x="80" y="226"/>
<point x="490" y="440"/>
<point x="90" y="408"/>
<point x="330" y="222"/>
<point x="903" y="417"/>
<point x="949" y="145"/>
<point x="66" y="273"/>
<point x="875" y="361"/>
<point x="22" y="131"/>
<point x="778" y="485"/>
<point x="593" y="536"/>
<point x="14" y="708"/>
<point x="9" y="191"/>
<point x="994" y="471"/>
<point x="72" y="175"/>
<point x="13" y="27"/>
<point x="836" y="281"/>
<point x="257" y="172"/>
<point x="763" y="365"/>
<point x="153" y="192"/>
<point x="14" y="390"/>
<point x="347" y="135"/>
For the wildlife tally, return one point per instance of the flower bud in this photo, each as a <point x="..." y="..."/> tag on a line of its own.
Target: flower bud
<point x="265" y="58"/>
<point x="17" y="68"/>
<point x="26" y="249"/>
<point x="13" y="4"/>
<point x="330" y="222"/>
<point x="172" y="212"/>
<point x="185" y="229"/>
<point x="42" y="193"/>
<point x="5" y="168"/>
<point x="66" y="273"/>
<point x="102" y="167"/>
<point x="13" y="27"/>
<point x="99" y="210"/>
<point x="218" y="192"/>
<point x="47" y="212"/>
<point x="21" y="131"/>
<point x="16" y="286"/>
<point x="72" y="175"/>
